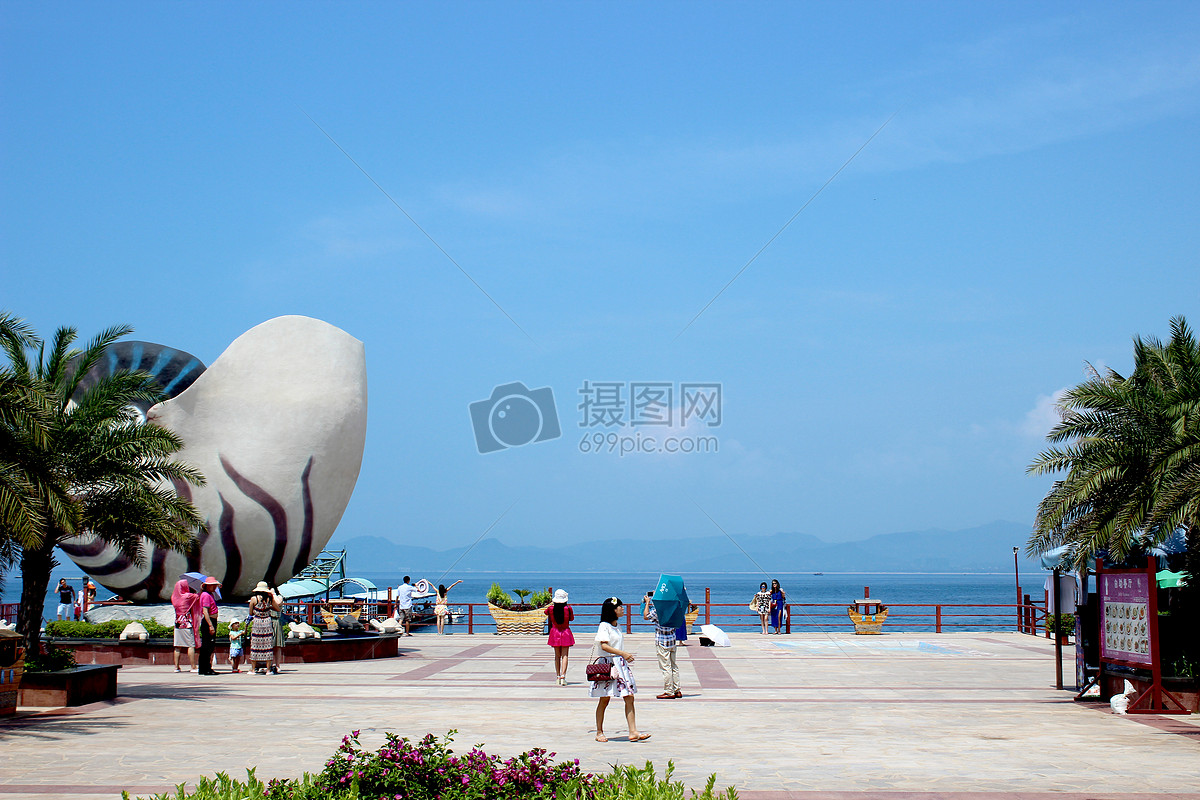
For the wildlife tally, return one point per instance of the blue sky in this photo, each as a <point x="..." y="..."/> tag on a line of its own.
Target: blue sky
<point x="602" y="171"/>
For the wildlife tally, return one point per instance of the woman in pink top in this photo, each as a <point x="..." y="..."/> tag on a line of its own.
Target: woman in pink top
<point x="561" y="638"/>
<point x="185" y="602"/>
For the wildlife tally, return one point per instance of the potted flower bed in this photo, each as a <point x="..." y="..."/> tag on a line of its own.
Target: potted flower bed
<point x="520" y="617"/>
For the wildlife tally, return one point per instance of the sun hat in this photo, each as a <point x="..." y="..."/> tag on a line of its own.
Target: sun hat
<point x="211" y="581"/>
<point x="560" y="596"/>
<point x="261" y="586"/>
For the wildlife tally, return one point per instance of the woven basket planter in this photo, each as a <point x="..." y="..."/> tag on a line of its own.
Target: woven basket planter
<point x="867" y="623"/>
<point x="507" y="621"/>
<point x="12" y="665"/>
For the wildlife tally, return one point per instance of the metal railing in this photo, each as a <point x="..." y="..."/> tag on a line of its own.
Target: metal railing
<point x="800" y="617"/>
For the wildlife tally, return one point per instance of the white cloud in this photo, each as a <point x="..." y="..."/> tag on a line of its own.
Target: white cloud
<point x="1044" y="415"/>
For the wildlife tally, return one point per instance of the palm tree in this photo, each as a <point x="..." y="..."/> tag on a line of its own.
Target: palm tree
<point x="96" y="470"/>
<point x="1131" y="451"/>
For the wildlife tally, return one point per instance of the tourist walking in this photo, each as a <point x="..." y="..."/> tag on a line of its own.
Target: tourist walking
<point x="262" y="639"/>
<point x="66" y="598"/>
<point x="208" y="624"/>
<point x="440" y="609"/>
<point x="762" y="604"/>
<point x="184" y="601"/>
<point x="561" y="638"/>
<point x="778" y="606"/>
<point x="404" y="601"/>
<point x="665" y="641"/>
<point x="609" y="641"/>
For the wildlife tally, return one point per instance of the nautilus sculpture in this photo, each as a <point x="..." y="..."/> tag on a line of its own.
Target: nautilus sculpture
<point x="277" y="426"/>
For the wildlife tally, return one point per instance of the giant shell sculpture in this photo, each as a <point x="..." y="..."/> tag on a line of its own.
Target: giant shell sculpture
<point x="277" y="425"/>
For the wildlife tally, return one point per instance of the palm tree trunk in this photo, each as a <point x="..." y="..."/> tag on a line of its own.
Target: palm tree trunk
<point x="36" y="566"/>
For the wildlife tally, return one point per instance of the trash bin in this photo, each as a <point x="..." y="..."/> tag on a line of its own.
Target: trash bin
<point x="12" y="664"/>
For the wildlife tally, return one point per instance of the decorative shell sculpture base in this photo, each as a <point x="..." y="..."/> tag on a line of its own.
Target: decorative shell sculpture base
<point x="277" y="425"/>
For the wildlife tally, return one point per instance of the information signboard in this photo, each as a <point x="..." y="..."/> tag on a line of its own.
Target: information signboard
<point x="1129" y="632"/>
<point x="1126" y="606"/>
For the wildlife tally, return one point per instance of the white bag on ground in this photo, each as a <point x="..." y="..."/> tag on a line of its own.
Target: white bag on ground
<point x="1120" y="702"/>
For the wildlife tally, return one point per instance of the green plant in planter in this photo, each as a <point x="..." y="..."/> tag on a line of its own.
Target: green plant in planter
<point x="522" y="593"/>
<point x="498" y="597"/>
<point x="53" y="660"/>
<point x="541" y="598"/>
<point x="1060" y="624"/>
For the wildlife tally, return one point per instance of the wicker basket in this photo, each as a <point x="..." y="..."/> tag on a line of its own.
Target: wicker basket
<point x="507" y="622"/>
<point x="12" y="666"/>
<point x="689" y="619"/>
<point x="867" y="623"/>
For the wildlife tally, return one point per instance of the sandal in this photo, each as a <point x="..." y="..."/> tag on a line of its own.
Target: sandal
<point x="600" y="737"/>
<point x="641" y="738"/>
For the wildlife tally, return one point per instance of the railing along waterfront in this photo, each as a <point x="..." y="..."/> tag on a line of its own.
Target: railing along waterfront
<point x="472" y="618"/>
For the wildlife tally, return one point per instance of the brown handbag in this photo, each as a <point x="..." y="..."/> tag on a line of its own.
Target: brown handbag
<point x="598" y="670"/>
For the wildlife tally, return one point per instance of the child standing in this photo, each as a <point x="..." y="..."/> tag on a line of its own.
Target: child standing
<point x="235" y="645"/>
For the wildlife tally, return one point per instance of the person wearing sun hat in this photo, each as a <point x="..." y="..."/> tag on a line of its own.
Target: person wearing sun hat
<point x="209" y="592"/>
<point x="262" y="649"/>
<point x="561" y="638"/>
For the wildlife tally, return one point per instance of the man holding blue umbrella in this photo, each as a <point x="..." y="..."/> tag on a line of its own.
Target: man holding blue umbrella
<point x="666" y="607"/>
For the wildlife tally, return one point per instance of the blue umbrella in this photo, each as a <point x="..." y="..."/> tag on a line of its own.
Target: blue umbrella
<point x="195" y="580"/>
<point x="670" y="601"/>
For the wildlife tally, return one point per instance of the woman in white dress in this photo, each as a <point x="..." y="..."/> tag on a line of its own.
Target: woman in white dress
<point x="609" y="640"/>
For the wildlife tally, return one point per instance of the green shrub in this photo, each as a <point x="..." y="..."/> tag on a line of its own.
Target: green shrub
<point x="53" y="660"/>
<point x="429" y="769"/>
<point x="541" y="598"/>
<point x="1062" y="624"/>
<point x="69" y="629"/>
<point x="498" y="597"/>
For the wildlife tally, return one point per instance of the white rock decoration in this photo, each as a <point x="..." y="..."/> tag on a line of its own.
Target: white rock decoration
<point x="302" y="630"/>
<point x="134" y="631"/>
<point x="388" y="625"/>
<point x="277" y="425"/>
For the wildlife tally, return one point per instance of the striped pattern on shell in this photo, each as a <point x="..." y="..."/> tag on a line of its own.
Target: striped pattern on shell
<point x="277" y="425"/>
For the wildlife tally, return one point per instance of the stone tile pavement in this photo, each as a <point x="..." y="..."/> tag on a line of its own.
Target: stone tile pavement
<point x="802" y="716"/>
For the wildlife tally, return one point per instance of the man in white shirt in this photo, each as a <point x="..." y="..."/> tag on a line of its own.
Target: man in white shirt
<point x="404" y="600"/>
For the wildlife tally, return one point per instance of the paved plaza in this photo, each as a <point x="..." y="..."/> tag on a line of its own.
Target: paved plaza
<point x="800" y="716"/>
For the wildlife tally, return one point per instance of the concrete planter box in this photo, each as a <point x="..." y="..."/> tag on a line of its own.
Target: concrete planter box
<point x="68" y="687"/>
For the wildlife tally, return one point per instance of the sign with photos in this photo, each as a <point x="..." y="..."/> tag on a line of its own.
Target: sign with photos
<point x="1126" y="620"/>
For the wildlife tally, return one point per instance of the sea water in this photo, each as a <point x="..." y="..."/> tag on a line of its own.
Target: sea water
<point x="978" y="597"/>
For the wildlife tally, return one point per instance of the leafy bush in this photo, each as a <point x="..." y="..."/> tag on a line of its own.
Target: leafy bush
<point x="1062" y="624"/>
<point x="429" y="769"/>
<point x="498" y="597"/>
<point x="52" y="660"/>
<point x="541" y="598"/>
<point x="69" y="629"/>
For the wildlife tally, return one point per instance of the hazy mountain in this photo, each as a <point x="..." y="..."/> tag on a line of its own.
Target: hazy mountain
<point x="987" y="548"/>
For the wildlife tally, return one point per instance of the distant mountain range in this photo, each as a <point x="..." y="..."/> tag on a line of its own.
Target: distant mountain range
<point x="987" y="548"/>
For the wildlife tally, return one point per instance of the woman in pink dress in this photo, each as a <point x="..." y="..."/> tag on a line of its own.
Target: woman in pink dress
<point x="561" y="638"/>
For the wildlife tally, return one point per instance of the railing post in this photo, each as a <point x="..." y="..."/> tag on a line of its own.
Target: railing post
<point x="628" y="621"/>
<point x="1019" y="608"/>
<point x="788" y="624"/>
<point x="707" y="606"/>
<point x="470" y="616"/>
<point x="939" y="618"/>
<point x="1028" y="614"/>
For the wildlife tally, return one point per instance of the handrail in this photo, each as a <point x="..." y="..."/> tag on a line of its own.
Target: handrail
<point x="933" y="617"/>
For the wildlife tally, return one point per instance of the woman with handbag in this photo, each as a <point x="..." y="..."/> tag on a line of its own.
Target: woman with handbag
<point x="617" y="680"/>
<point x="761" y="604"/>
<point x="778" y="606"/>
